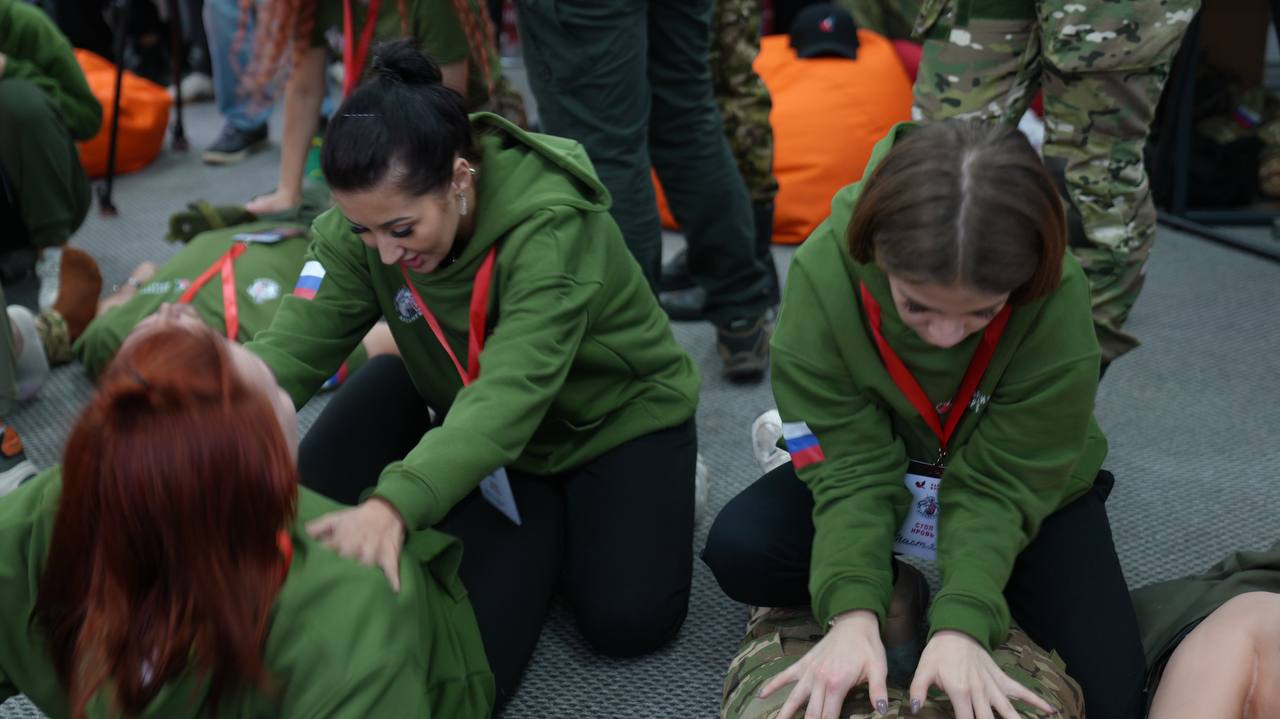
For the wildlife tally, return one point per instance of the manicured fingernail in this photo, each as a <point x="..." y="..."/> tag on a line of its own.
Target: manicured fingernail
<point x="915" y="706"/>
<point x="882" y="706"/>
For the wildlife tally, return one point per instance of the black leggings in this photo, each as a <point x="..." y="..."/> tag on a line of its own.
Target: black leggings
<point x="614" y="535"/>
<point x="1066" y="590"/>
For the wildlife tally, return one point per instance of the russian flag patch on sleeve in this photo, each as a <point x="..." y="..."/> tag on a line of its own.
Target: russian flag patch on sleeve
<point x="309" y="281"/>
<point x="802" y="445"/>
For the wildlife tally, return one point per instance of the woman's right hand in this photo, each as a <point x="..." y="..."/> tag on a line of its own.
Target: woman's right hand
<point x="278" y="201"/>
<point x="849" y="655"/>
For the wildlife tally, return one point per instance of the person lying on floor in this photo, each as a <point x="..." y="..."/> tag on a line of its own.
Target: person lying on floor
<point x="1213" y="640"/>
<point x="935" y="369"/>
<point x="567" y="449"/>
<point x="261" y="261"/>
<point x="165" y="570"/>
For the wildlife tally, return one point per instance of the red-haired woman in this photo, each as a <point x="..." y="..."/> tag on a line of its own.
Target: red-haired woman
<point x="165" y="572"/>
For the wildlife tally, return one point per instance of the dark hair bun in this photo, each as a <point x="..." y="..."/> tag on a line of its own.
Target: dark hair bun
<point x="399" y="61"/>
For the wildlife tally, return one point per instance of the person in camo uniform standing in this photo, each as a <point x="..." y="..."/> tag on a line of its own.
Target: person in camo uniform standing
<point x="1102" y="66"/>
<point x="744" y="104"/>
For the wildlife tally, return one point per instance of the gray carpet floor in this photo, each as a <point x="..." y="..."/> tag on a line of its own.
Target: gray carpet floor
<point x="1191" y="417"/>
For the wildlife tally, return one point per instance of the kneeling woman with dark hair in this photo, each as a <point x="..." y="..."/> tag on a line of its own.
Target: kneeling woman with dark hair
<point x="165" y="572"/>
<point x="565" y="459"/>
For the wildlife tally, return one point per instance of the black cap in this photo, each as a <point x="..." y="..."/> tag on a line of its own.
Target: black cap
<point x="824" y="30"/>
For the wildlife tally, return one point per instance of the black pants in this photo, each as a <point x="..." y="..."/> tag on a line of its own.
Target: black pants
<point x="614" y="535"/>
<point x="1066" y="590"/>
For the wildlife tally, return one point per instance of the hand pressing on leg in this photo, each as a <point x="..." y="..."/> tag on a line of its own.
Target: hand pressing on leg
<point x="964" y="669"/>
<point x="849" y="655"/>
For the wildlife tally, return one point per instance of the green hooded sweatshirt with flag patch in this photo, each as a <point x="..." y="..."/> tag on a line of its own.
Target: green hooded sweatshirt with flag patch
<point x="1027" y="445"/>
<point x="580" y="358"/>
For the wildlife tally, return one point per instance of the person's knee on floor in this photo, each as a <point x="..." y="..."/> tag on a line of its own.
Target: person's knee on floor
<point x="620" y="622"/>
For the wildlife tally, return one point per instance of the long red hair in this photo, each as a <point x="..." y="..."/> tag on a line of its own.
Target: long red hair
<point x="176" y="481"/>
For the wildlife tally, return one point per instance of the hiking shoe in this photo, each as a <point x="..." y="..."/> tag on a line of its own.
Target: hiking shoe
<point x="15" y="468"/>
<point x="78" y="289"/>
<point x="683" y="305"/>
<point x="744" y="347"/>
<point x="904" y="631"/>
<point x="766" y="432"/>
<point x="234" y="145"/>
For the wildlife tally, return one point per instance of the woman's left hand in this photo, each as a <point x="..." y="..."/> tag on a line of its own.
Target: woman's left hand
<point x="372" y="534"/>
<point x="964" y="669"/>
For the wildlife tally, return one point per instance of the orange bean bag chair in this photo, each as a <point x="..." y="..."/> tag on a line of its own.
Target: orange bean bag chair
<point x="144" y="117"/>
<point x="827" y="115"/>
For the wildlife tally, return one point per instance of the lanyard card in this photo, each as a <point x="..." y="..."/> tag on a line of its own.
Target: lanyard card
<point x="496" y="490"/>
<point x="268" y="237"/>
<point x="918" y="536"/>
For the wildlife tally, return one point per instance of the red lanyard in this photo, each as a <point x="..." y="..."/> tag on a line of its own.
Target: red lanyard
<point x="478" y="314"/>
<point x="223" y="264"/>
<point x="285" y="544"/>
<point x="353" y="57"/>
<point x="911" y="388"/>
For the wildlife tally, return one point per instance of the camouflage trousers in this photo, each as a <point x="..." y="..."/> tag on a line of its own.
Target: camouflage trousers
<point x="777" y="638"/>
<point x="1102" y="66"/>
<point x="741" y="95"/>
<point x="54" y="336"/>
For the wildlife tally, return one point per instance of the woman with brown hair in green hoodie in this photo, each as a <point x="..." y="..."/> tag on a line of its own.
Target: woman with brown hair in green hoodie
<point x="935" y="367"/>
<point x="563" y="445"/>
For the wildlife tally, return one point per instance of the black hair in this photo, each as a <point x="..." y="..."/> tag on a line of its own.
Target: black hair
<point x="400" y="119"/>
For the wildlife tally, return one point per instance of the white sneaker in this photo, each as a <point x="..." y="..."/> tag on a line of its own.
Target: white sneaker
<point x="701" y="490"/>
<point x="49" y="269"/>
<point x="30" y="366"/>
<point x="765" y="433"/>
<point x="196" y="87"/>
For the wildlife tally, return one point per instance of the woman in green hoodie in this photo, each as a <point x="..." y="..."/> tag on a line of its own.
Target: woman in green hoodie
<point x="935" y="360"/>
<point x="565" y="455"/>
<point x="164" y="571"/>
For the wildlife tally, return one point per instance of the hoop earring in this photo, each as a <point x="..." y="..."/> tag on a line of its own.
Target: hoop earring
<point x="462" y="204"/>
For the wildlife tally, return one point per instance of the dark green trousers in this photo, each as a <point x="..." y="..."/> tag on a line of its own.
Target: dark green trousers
<point x="630" y="80"/>
<point x="44" y="193"/>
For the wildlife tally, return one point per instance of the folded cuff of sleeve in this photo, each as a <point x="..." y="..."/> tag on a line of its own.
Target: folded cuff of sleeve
<point x="968" y="615"/>
<point x="410" y="495"/>
<point x="849" y="595"/>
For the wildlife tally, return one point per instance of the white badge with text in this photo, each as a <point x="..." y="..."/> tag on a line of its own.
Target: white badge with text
<point x="496" y="490"/>
<point x="918" y="536"/>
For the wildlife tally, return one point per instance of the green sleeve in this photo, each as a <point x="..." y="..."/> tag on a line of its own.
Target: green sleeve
<point x="308" y="339"/>
<point x="859" y="498"/>
<point x="1015" y="470"/>
<point x="52" y="66"/>
<point x="522" y="368"/>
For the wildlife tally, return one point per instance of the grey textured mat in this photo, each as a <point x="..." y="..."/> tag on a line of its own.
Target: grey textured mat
<point x="1191" y="417"/>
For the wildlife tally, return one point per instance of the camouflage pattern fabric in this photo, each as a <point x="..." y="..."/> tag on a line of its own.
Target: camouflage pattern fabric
<point x="1102" y="66"/>
<point x="777" y="638"/>
<point x="741" y="95"/>
<point x="54" y="336"/>
<point x="891" y="18"/>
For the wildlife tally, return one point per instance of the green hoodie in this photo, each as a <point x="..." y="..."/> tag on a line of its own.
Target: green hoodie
<point x="264" y="274"/>
<point x="340" y="643"/>
<point x="1029" y="449"/>
<point x="36" y="51"/>
<point x="580" y="358"/>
